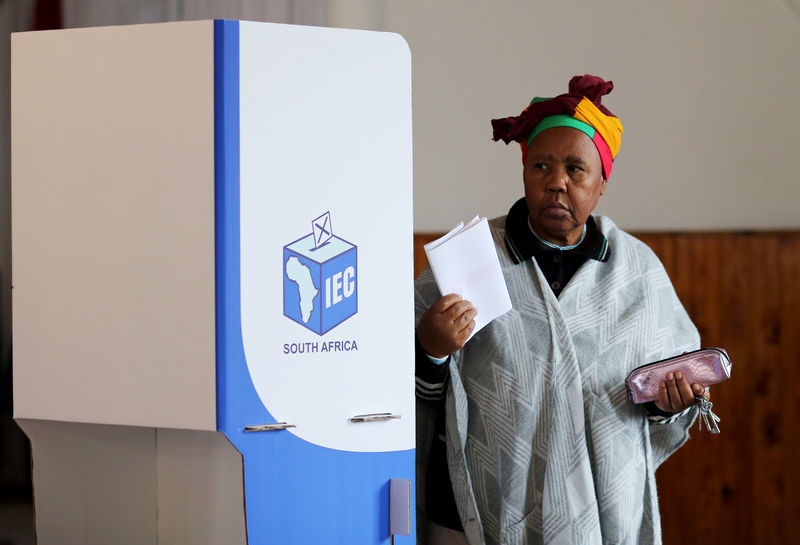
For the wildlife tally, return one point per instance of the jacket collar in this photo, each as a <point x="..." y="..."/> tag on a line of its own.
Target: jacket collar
<point x="523" y="245"/>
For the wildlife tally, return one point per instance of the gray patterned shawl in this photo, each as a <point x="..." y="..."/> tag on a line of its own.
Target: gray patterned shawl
<point x="543" y="444"/>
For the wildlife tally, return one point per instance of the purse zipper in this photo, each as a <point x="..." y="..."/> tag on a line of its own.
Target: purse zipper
<point x="720" y="350"/>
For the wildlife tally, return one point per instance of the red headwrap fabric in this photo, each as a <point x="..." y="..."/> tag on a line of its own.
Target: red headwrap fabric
<point x="583" y="102"/>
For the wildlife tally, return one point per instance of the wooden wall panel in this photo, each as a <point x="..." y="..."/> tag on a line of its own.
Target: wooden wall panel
<point x="743" y="292"/>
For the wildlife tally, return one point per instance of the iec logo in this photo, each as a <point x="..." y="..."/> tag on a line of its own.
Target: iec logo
<point x="320" y="290"/>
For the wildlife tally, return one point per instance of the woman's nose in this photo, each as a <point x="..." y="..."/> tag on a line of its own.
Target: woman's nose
<point x="558" y="181"/>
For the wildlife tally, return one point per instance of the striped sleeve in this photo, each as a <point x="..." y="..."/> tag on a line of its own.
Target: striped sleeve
<point x="431" y="377"/>
<point x="657" y="416"/>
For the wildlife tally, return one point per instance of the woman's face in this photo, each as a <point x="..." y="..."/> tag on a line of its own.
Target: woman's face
<point x="563" y="179"/>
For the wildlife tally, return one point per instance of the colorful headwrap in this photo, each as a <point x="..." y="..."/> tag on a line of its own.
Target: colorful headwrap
<point x="580" y="109"/>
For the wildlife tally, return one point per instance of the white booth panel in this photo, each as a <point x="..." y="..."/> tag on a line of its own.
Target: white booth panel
<point x="326" y="214"/>
<point x="200" y="489"/>
<point x="100" y="484"/>
<point x="113" y="225"/>
<point x="93" y="484"/>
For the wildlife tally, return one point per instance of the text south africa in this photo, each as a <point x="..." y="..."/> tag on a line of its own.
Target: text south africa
<point x="319" y="346"/>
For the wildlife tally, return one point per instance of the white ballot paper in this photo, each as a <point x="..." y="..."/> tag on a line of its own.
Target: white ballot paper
<point x="464" y="261"/>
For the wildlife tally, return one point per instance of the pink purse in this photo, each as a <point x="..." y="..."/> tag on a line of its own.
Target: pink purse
<point x="707" y="366"/>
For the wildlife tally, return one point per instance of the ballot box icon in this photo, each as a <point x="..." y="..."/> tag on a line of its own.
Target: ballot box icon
<point x="320" y="284"/>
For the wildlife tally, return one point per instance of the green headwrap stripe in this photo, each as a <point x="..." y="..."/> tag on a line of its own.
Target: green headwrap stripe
<point x="561" y="120"/>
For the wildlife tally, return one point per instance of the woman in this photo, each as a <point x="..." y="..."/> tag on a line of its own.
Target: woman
<point x="526" y="432"/>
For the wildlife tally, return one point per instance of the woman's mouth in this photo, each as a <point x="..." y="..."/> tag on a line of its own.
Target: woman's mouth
<point x="556" y="206"/>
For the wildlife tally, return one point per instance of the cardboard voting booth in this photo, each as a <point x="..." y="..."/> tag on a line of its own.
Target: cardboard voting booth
<point x="213" y="307"/>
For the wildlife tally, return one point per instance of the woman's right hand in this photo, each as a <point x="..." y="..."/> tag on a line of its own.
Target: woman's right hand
<point x="446" y="325"/>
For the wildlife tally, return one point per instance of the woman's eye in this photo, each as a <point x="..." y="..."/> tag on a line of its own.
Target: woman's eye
<point x="574" y="168"/>
<point x="540" y="166"/>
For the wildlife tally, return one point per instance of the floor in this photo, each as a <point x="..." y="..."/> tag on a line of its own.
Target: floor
<point x="16" y="523"/>
<point x="16" y="507"/>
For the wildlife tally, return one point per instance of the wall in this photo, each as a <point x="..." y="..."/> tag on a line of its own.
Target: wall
<point x="14" y="456"/>
<point x="706" y="92"/>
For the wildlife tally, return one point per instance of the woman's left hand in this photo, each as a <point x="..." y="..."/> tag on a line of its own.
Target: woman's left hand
<point x="676" y="395"/>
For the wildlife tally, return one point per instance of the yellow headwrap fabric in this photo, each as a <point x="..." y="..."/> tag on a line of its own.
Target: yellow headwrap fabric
<point x="608" y="126"/>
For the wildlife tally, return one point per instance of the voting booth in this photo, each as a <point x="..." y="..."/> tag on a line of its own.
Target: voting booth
<point x="212" y="283"/>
